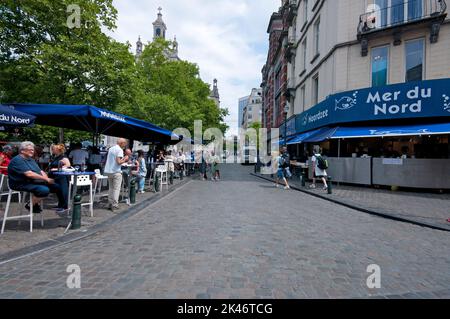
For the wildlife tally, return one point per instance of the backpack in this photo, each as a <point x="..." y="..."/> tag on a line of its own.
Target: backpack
<point x="321" y="162"/>
<point x="285" y="161"/>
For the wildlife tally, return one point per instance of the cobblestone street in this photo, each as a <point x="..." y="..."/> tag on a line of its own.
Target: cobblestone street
<point x="241" y="238"/>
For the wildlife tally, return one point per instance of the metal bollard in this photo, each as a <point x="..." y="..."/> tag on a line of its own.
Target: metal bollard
<point x="303" y="179"/>
<point x="330" y="186"/>
<point x="133" y="191"/>
<point x="76" y="213"/>
<point x="156" y="182"/>
<point x="171" y="178"/>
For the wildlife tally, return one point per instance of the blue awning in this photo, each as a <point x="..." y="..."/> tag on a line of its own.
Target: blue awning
<point x="386" y="131"/>
<point x="300" y="138"/>
<point x="12" y="118"/>
<point x="97" y="121"/>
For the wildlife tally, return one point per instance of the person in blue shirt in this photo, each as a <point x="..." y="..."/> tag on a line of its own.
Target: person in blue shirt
<point x="25" y="175"/>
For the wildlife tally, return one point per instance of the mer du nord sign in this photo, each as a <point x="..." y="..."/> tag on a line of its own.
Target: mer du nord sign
<point x="424" y="99"/>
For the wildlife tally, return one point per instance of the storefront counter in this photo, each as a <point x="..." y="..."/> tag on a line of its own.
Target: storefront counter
<point x="416" y="173"/>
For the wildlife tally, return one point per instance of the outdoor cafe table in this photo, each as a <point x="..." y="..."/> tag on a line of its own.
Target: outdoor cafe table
<point x="75" y="174"/>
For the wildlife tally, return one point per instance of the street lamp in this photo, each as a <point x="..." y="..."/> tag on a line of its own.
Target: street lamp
<point x="286" y="111"/>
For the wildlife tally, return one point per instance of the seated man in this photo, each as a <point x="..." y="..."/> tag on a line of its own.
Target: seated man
<point x="25" y="175"/>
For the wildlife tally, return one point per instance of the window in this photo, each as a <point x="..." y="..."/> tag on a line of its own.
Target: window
<point x="303" y="98"/>
<point x="380" y="66"/>
<point x="250" y="117"/>
<point x="414" y="60"/>
<point x="316" y="36"/>
<point x="315" y="93"/>
<point x="278" y="80"/>
<point x="250" y="109"/>
<point x="304" y="54"/>
<point x="399" y="11"/>
<point x="276" y="110"/>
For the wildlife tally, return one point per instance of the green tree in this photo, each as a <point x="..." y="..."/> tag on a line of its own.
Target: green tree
<point x="42" y="60"/>
<point x="171" y="93"/>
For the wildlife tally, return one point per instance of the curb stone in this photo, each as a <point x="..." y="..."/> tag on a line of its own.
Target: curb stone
<point x="85" y="233"/>
<point x="362" y="209"/>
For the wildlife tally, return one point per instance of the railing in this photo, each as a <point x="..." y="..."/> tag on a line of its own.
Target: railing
<point x="405" y="12"/>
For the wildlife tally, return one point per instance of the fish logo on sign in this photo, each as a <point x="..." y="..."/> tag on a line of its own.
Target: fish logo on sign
<point x="446" y="103"/>
<point x="305" y="120"/>
<point x="346" y="102"/>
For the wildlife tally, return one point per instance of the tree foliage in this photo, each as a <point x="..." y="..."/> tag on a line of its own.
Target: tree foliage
<point x="42" y="60"/>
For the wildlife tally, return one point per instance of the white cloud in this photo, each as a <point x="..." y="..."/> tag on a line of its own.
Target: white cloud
<point x="221" y="36"/>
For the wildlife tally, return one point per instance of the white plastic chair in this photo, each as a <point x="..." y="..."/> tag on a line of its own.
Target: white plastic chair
<point x="21" y="204"/>
<point x="83" y="180"/>
<point x="99" y="178"/>
<point x="163" y="171"/>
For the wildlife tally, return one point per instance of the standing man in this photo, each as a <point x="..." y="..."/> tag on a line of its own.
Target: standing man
<point x="286" y="161"/>
<point x="113" y="169"/>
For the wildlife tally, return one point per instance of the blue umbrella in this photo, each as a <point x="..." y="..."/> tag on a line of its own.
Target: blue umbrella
<point x="12" y="118"/>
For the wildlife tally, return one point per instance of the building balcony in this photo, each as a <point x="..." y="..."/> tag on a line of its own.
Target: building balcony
<point x="292" y="10"/>
<point x="401" y="17"/>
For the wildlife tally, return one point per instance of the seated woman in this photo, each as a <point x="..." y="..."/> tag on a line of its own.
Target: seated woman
<point x="26" y="176"/>
<point x="60" y="160"/>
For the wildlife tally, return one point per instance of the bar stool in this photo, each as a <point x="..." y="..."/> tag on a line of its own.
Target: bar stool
<point x="163" y="171"/>
<point x="3" y="182"/>
<point x="21" y="204"/>
<point x="83" y="180"/>
<point x="101" y="178"/>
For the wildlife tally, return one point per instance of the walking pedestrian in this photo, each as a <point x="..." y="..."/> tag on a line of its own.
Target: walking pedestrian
<point x="113" y="169"/>
<point x="319" y="167"/>
<point x="279" y="162"/>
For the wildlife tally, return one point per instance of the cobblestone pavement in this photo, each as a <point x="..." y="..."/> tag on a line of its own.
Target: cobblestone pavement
<point x="17" y="236"/>
<point x="241" y="238"/>
<point x="428" y="208"/>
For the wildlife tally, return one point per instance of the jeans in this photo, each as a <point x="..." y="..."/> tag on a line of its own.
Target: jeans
<point x="115" y="182"/>
<point x="141" y="181"/>
<point x="63" y="183"/>
<point x="41" y="191"/>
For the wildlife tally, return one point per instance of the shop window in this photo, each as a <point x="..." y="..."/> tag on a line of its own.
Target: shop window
<point x="414" y="60"/>
<point x="315" y="93"/>
<point x="380" y="66"/>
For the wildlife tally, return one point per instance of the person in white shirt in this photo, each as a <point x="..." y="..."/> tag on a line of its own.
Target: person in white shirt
<point x="113" y="169"/>
<point x="78" y="156"/>
<point x="318" y="172"/>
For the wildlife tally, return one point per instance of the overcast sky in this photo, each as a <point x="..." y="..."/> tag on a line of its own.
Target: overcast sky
<point x="226" y="38"/>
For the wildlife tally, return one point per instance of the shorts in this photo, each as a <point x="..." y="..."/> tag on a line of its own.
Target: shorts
<point x="280" y="173"/>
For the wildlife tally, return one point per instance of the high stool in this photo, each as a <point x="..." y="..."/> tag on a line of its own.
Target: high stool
<point x="83" y="180"/>
<point x="20" y="217"/>
<point x="162" y="170"/>
<point x="3" y="182"/>
<point x="99" y="178"/>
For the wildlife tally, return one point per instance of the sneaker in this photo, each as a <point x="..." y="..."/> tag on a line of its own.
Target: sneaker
<point x="276" y="185"/>
<point x="287" y="187"/>
<point x="113" y="208"/>
<point x="61" y="211"/>
<point x="325" y="188"/>
<point x="312" y="186"/>
<point x="142" y="192"/>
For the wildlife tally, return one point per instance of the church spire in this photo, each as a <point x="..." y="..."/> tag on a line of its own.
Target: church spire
<point x="139" y="47"/>
<point x="159" y="27"/>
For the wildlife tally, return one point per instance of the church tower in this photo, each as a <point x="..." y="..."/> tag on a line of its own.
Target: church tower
<point x="139" y="47"/>
<point x="215" y="94"/>
<point x="159" y="27"/>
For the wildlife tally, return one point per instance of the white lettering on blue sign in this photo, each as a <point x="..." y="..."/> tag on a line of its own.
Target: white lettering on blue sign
<point x="319" y="116"/>
<point x="382" y="102"/>
<point x="113" y="116"/>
